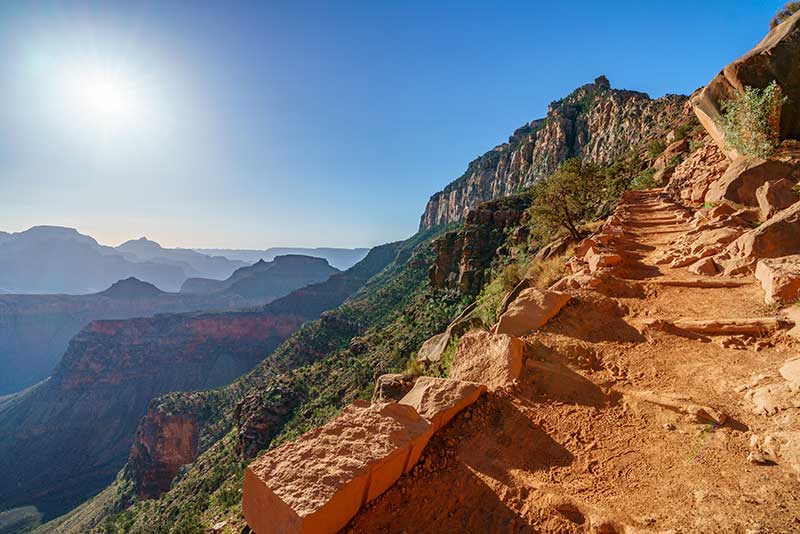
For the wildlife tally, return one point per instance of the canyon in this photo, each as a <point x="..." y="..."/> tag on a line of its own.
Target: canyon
<point x="35" y="329"/>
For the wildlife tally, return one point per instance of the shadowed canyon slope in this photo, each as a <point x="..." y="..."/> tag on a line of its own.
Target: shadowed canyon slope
<point x="86" y="413"/>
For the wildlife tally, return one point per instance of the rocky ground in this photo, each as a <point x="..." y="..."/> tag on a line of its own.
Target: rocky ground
<point x="628" y="416"/>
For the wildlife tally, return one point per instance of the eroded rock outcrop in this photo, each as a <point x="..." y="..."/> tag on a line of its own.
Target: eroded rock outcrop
<point x="463" y="256"/>
<point x="775" y="196"/>
<point x="595" y="122"/>
<point x="744" y="177"/>
<point x="164" y="442"/>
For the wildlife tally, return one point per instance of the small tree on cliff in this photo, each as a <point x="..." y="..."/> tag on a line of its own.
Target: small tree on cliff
<point x="784" y="13"/>
<point x="564" y="200"/>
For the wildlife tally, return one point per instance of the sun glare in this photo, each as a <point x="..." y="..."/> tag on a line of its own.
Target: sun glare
<point x="105" y="97"/>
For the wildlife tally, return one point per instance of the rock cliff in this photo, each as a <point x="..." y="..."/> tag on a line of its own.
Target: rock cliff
<point x="594" y="122"/>
<point x="464" y="255"/>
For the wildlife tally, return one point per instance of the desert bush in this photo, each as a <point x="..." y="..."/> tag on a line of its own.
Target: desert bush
<point x="545" y="273"/>
<point x="749" y="123"/>
<point x="655" y="149"/>
<point x="644" y="180"/>
<point x="784" y="13"/>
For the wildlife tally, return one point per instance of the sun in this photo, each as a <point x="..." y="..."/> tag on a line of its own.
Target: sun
<point x="106" y="96"/>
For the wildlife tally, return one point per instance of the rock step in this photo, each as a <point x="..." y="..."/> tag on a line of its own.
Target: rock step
<point x="699" y="283"/>
<point x="680" y="404"/>
<point x="755" y="326"/>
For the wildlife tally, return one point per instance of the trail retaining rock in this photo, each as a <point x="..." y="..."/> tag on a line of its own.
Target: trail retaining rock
<point x="491" y="359"/>
<point x="530" y="310"/>
<point x="439" y="399"/>
<point x="780" y="279"/>
<point x="317" y="484"/>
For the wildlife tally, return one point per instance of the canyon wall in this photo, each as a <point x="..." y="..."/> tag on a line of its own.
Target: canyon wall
<point x="594" y="122"/>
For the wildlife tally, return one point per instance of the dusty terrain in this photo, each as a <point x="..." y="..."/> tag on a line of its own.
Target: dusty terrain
<point x="618" y="425"/>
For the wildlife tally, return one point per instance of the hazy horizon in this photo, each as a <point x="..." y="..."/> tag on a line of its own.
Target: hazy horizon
<point x="244" y="125"/>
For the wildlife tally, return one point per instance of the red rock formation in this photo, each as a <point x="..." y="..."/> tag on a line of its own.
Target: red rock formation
<point x="594" y="122"/>
<point x="163" y="444"/>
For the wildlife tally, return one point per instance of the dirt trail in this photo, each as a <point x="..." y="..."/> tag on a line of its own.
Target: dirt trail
<point x="615" y="425"/>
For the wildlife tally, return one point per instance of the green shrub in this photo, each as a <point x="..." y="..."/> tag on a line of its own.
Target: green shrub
<point x="784" y="13"/>
<point x="644" y="180"/>
<point x="749" y="123"/>
<point x="655" y="149"/>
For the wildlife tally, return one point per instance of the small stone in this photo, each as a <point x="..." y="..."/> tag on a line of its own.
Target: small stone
<point x="755" y="457"/>
<point x="669" y="426"/>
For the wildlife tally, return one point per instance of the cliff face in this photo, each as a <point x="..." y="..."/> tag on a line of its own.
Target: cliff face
<point x="163" y="444"/>
<point x="594" y="122"/>
<point x="464" y="255"/>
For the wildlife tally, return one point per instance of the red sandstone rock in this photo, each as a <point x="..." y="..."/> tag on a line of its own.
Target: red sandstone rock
<point x="744" y="177"/>
<point x="780" y="236"/>
<point x="705" y="266"/>
<point x="317" y="483"/>
<point x="491" y="359"/>
<point x="780" y="279"/>
<point x="440" y="399"/>
<point x="531" y="310"/>
<point x="775" y="196"/>
<point x="598" y="261"/>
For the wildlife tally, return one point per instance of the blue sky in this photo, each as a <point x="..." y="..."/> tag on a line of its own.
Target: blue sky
<point x="257" y="124"/>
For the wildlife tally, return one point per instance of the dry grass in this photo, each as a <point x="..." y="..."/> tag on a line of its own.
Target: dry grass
<point x="545" y="273"/>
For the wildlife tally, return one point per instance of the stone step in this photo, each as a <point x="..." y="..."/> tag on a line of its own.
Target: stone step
<point x="754" y="326"/>
<point x="702" y="283"/>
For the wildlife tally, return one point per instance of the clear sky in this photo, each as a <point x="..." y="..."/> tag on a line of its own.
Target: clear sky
<point x="255" y="124"/>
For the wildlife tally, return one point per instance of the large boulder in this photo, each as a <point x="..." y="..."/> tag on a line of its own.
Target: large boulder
<point x="438" y="400"/>
<point x="775" y="196"/>
<point x="780" y="236"/>
<point x="780" y="279"/>
<point x="774" y="58"/>
<point x="491" y="359"/>
<point x="316" y="484"/>
<point x="530" y="310"/>
<point x="743" y="178"/>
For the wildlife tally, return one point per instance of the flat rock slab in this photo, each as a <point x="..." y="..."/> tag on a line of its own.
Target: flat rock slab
<point x="680" y="404"/>
<point x="530" y="310"/>
<point x="317" y="483"/>
<point x="491" y="359"/>
<point x="780" y="279"/>
<point x="440" y="399"/>
<point x="720" y="327"/>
